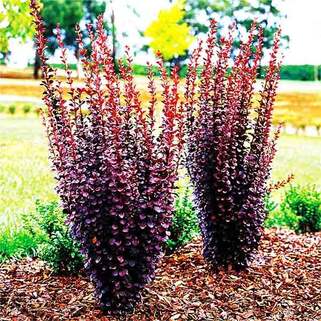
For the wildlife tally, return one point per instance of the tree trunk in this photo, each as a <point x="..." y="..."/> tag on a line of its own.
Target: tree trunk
<point x="177" y="62"/>
<point x="5" y="57"/>
<point x="113" y="35"/>
<point x="79" y="67"/>
<point x="316" y="72"/>
<point x="36" y="66"/>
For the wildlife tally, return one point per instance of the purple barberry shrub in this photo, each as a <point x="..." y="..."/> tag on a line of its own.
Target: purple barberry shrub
<point x="230" y="145"/>
<point x="115" y="163"/>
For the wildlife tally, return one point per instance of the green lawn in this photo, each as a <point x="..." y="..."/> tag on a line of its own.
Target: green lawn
<point x="25" y="173"/>
<point x="301" y="156"/>
<point x="24" y="168"/>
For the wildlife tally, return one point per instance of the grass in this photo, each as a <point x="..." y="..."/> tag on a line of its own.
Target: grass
<point x="16" y="243"/>
<point x="299" y="109"/>
<point x="24" y="168"/>
<point x="301" y="156"/>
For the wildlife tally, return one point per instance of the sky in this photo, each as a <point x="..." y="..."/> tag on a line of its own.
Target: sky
<point x="303" y="25"/>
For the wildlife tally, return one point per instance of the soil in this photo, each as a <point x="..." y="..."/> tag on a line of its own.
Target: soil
<point x="282" y="284"/>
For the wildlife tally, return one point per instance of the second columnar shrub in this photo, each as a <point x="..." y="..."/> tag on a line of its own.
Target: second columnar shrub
<point x="115" y="164"/>
<point x="230" y="146"/>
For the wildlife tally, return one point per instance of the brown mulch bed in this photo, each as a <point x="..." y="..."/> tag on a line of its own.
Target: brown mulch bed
<point x="284" y="283"/>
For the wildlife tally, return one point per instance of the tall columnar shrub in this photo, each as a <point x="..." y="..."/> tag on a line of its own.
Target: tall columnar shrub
<point x="230" y="146"/>
<point x="115" y="164"/>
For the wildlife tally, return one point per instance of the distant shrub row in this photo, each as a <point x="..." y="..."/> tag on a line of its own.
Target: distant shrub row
<point x="300" y="72"/>
<point x="297" y="72"/>
<point x="287" y="72"/>
<point x="24" y="109"/>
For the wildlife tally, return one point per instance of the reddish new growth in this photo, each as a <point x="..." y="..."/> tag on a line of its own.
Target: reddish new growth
<point x="114" y="164"/>
<point x="230" y="150"/>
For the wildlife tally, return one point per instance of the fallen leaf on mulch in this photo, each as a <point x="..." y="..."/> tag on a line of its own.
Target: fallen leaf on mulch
<point x="283" y="283"/>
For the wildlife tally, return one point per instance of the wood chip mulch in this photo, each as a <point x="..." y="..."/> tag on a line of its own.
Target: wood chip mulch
<point x="283" y="284"/>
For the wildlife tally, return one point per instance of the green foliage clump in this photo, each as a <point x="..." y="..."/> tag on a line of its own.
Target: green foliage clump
<point x="12" y="109"/>
<point x="16" y="243"/>
<point x="184" y="225"/>
<point x="270" y="204"/>
<point x="306" y="205"/>
<point x="62" y="66"/>
<point x="17" y="22"/>
<point x="26" y="109"/>
<point x="281" y="219"/>
<point x="56" y="246"/>
<point x="142" y="70"/>
<point x="2" y="108"/>
<point x="300" y="211"/>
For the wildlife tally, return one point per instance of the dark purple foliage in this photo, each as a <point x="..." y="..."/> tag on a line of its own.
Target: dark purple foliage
<point x="115" y="166"/>
<point x="229" y="145"/>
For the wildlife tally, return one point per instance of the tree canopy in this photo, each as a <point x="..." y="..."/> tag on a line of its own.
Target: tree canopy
<point x="68" y="13"/>
<point x="266" y="12"/>
<point x="169" y="34"/>
<point x="16" y="22"/>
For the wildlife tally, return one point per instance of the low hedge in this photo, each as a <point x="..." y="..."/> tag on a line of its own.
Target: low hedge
<point x="297" y="72"/>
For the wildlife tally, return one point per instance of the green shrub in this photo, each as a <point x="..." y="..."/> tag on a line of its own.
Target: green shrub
<point x="62" y="66"/>
<point x="281" y="219"/>
<point x="305" y="203"/>
<point x="2" y="108"/>
<point x="12" y="109"/>
<point x="300" y="211"/>
<point x="270" y="205"/>
<point x="16" y="243"/>
<point x="185" y="223"/>
<point x="142" y="70"/>
<point x="26" y="109"/>
<point x="183" y="71"/>
<point x="56" y="246"/>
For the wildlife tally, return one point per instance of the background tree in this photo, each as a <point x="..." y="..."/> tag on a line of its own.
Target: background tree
<point x="16" y="22"/>
<point x="68" y="14"/>
<point x="266" y="12"/>
<point x="169" y="34"/>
